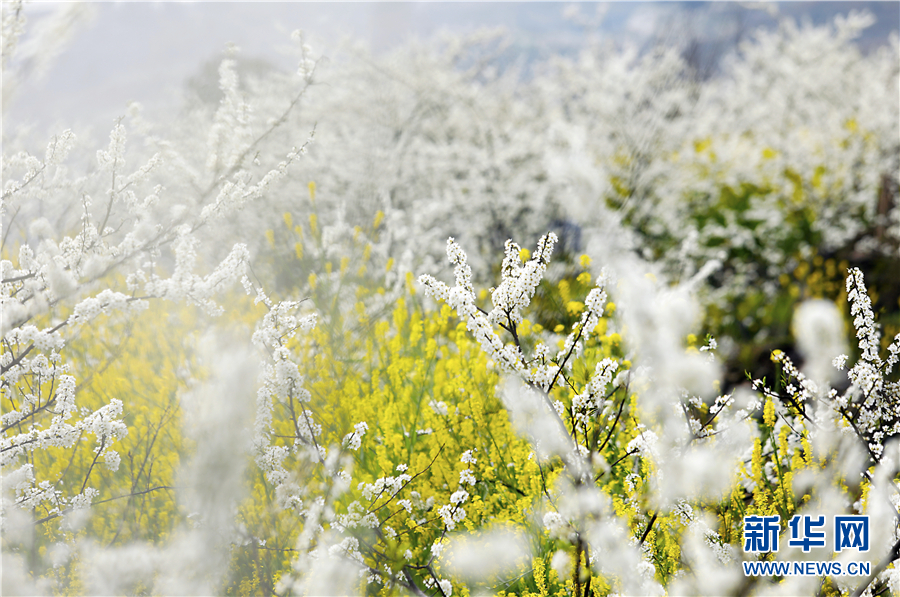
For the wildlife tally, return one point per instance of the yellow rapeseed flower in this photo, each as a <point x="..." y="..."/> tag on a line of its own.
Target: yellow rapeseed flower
<point x="769" y="414"/>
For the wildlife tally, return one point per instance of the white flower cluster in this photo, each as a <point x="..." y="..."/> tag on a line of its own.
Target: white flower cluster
<point x="870" y="407"/>
<point x="307" y="65"/>
<point x="443" y="585"/>
<point x="594" y="304"/>
<point x="184" y="285"/>
<point x="593" y="401"/>
<point x="873" y="402"/>
<point x="105" y="424"/>
<point x="390" y="486"/>
<point x="349" y="547"/>
<point x="556" y="525"/>
<point x="104" y="303"/>
<point x="123" y="233"/>
<point x="519" y="281"/>
<point x="514" y="294"/>
<point x="462" y="299"/>
<point x="281" y="387"/>
<point x="229" y="135"/>
<point x="354" y="440"/>
<point x="646" y="443"/>
<point x="453" y="512"/>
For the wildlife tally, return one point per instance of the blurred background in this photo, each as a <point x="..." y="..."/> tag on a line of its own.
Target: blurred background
<point x="761" y="137"/>
<point x="115" y="52"/>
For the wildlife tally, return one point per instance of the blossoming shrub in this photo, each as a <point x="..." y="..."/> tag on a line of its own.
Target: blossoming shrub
<point x="90" y="240"/>
<point x="427" y="414"/>
<point x="528" y="438"/>
<point x="131" y="496"/>
<point x="413" y="401"/>
<point x="791" y="467"/>
<point x="734" y="183"/>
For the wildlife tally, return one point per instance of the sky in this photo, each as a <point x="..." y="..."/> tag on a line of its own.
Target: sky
<point x="147" y="51"/>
